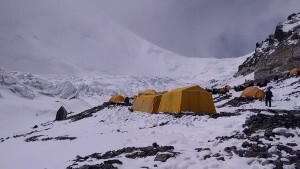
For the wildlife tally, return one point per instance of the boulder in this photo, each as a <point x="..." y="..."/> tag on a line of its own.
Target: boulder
<point x="163" y="157"/>
<point x="61" y="114"/>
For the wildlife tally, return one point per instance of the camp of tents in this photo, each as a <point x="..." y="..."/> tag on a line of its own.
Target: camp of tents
<point x="186" y="99"/>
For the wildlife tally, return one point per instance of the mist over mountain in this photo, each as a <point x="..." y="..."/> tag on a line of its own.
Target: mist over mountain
<point x="62" y="38"/>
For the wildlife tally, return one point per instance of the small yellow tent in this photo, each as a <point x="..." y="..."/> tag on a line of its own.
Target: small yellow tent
<point x="295" y="72"/>
<point x="253" y="92"/>
<point x="147" y="92"/>
<point x="146" y="103"/>
<point x="191" y="98"/>
<point x="117" y="98"/>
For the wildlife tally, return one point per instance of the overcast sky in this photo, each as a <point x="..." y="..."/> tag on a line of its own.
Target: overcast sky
<point x="202" y="28"/>
<point x="194" y="28"/>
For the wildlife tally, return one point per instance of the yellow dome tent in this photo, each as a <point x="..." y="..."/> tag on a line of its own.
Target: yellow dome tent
<point x="295" y="72"/>
<point x="146" y="103"/>
<point x="191" y="98"/>
<point x="147" y="92"/>
<point x="253" y="92"/>
<point x="116" y="98"/>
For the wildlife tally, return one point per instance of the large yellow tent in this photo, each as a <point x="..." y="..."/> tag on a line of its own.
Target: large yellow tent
<point x="147" y="92"/>
<point x="146" y="103"/>
<point x="295" y="72"/>
<point x="253" y="92"/>
<point x="191" y="98"/>
<point x="116" y="98"/>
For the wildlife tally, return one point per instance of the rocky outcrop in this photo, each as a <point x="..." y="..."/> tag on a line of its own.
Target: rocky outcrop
<point x="279" y="63"/>
<point x="278" y="54"/>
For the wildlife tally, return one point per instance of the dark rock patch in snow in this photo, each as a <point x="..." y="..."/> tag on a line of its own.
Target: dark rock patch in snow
<point x="202" y="149"/>
<point x="164" y="157"/>
<point x="115" y="161"/>
<point x="224" y="114"/>
<point x="253" y="147"/>
<point x="26" y="134"/>
<point x="163" y="153"/>
<point x="2" y="140"/>
<point x="95" y="166"/>
<point x="119" y="131"/>
<point x="36" y="138"/>
<point x="49" y="123"/>
<point x="237" y="101"/>
<point x="30" y="133"/>
<point x="211" y="115"/>
<point x="264" y="122"/>
<point x="221" y="98"/>
<point x="263" y="146"/>
<point x="161" y="124"/>
<point x="33" y="138"/>
<point x="59" y="138"/>
<point x="294" y="93"/>
<point x="90" y="112"/>
<point x="273" y="111"/>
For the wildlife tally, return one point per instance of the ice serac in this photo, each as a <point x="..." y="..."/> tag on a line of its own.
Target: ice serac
<point x="278" y="54"/>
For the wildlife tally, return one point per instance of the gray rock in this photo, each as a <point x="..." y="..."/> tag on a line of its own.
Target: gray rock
<point x="278" y="164"/>
<point x="267" y="162"/>
<point x="115" y="161"/>
<point x="61" y="114"/>
<point x="217" y="155"/>
<point x="206" y="157"/>
<point x="246" y="144"/>
<point x="221" y="158"/>
<point x="292" y="144"/>
<point x="163" y="157"/>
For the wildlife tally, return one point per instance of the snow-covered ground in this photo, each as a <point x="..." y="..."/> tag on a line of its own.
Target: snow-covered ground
<point x="39" y="96"/>
<point x="27" y="100"/>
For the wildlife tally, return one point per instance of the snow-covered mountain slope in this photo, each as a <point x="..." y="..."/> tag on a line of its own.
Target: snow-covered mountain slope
<point x="73" y="40"/>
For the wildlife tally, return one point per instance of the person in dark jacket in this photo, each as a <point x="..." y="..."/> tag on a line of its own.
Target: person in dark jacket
<point x="269" y="96"/>
<point x="127" y="101"/>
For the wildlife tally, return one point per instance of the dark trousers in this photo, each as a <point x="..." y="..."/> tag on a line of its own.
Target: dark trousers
<point x="268" y="101"/>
